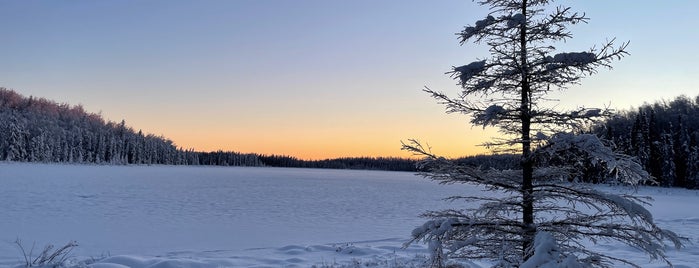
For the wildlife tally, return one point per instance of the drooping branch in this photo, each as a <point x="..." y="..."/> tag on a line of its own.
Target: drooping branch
<point x="541" y="199"/>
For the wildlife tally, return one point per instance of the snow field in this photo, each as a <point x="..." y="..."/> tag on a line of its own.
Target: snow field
<point x="173" y="216"/>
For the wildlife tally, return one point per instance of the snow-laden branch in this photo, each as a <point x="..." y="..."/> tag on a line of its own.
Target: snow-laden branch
<point x="539" y="216"/>
<point x="570" y="149"/>
<point x="569" y="212"/>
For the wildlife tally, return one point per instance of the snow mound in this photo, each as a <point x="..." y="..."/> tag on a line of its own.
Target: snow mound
<point x="379" y="253"/>
<point x="548" y="255"/>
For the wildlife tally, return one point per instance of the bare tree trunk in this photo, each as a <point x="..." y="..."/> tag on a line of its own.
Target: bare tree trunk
<point x="529" y="231"/>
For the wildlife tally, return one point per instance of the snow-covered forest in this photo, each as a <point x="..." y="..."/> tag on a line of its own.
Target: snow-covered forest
<point x="664" y="136"/>
<point x="40" y="130"/>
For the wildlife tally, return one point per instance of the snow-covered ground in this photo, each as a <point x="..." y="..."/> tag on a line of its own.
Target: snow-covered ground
<point x="175" y="216"/>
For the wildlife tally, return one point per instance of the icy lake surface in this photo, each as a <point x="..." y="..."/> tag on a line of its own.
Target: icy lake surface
<point x="177" y="216"/>
<point x="157" y="210"/>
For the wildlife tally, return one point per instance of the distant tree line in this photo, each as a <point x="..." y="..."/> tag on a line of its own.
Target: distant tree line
<point x="491" y="161"/>
<point x="664" y="136"/>
<point x="369" y="163"/>
<point x="40" y="130"/>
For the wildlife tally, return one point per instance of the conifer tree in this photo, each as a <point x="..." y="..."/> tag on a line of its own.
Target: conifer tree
<point x="538" y="207"/>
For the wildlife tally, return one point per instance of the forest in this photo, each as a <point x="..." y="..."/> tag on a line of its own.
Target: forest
<point x="663" y="136"/>
<point x="41" y="130"/>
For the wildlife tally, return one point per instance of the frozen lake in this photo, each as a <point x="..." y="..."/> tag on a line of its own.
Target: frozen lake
<point x="157" y="210"/>
<point x="179" y="216"/>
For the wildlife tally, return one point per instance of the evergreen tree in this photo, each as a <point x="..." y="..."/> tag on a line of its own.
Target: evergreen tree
<point x="681" y="155"/>
<point x="17" y="141"/>
<point x="508" y="90"/>
<point x="693" y="163"/>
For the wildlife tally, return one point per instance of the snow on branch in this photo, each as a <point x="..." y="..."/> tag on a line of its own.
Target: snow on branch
<point x="566" y="68"/>
<point x="470" y="235"/>
<point x="552" y="121"/>
<point x="468" y="71"/>
<point x="566" y="213"/>
<point x="570" y="59"/>
<point x="516" y="20"/>
<point x="571" y="149"/>
<point x="611" y="217"/>
<point x="479" y="27"/>
<point x="491" y="116"/>
<point x="540" y="215"/>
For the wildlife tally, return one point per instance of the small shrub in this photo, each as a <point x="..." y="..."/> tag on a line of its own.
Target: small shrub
<point x="49" y="256"/>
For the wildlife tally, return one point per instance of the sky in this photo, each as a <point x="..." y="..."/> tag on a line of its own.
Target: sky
<point x="311" y="78"/>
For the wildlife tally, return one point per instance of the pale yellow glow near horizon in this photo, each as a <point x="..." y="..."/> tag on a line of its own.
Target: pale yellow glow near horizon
<point x="312" y="79"/>
<point x="381" y="136"/>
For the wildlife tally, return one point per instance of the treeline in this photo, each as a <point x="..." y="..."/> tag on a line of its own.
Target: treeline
<point x="370" y="163"/>
<point x="491" y="161"/>
<point x="664" y="136"/>
<point x="40" y="130"/>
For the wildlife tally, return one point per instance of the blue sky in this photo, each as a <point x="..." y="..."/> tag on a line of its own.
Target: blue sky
<point x="313" y="79"/>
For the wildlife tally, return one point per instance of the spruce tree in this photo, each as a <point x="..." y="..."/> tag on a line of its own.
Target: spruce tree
<point x="539" y="203"/>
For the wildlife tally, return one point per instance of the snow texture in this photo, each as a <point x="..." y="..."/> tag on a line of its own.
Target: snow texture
<point x="210" y="217"/>
<point x="547" y="254"/>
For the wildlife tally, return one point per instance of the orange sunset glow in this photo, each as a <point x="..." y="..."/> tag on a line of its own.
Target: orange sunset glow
<point x="317" y="79"/>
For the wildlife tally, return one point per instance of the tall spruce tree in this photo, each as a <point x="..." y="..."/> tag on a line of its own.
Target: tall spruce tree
<point x="540" y="203"/>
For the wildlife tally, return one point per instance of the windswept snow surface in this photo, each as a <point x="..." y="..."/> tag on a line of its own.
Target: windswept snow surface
<point x="177" y="216"/>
